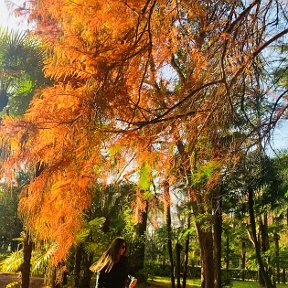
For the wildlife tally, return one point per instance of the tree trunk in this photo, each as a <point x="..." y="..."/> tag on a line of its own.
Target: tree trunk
<point x="217" y="232"/>
<point x="27" y="246"/>
<point x="140" y="230"/>
<point x="169" y="230"/>
<point x="25" y="269"/>
<point x="82" y="262"/>
<point x="77" y="265"/>
<point x="209" y="238"/>
<point x="243" y="260"/>
<point x="87" y="274"/>
<point x="276" y="241"/>
<point x="263" y="273"/>
<point x="207" y="257"/>
<point x="263" y="227"/>
<point x="264" y="240"/>
<point x="185" y="268"/>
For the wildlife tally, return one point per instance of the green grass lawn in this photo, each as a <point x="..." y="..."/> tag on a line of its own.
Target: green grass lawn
<point x="158" y="282"/>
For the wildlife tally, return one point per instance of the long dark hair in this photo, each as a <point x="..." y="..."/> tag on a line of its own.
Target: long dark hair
<point x="111" y="256"/>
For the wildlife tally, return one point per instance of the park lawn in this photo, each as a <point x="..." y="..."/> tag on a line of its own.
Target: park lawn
<point x="165" y="282"/>
<point x="158" y="282"/>
<point x="247" y="284"/>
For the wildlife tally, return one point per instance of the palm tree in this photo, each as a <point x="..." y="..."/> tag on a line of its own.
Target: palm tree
<point x="21" y="73"/>
<point x="21" y="70"/>
<point x="41" y="263"/>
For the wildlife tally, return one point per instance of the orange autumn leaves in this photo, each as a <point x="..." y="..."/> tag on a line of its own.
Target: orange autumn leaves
<point x="117" y="66"/>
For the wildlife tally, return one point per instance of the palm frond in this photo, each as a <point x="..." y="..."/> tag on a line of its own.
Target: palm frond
<point x="21" y="62"/>
<point x="13" y="262"/>
<point x="41" y="258"/>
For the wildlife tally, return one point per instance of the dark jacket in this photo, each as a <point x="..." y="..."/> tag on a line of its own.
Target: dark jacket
<point x="116" y="278"/>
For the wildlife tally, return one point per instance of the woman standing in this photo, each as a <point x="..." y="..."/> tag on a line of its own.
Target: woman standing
<point x="112" y="267"/>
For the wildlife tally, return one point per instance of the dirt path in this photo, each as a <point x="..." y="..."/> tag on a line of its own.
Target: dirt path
<point x="6" y="278"/>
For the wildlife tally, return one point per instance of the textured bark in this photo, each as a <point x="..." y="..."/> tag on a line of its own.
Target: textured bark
<point x="209" y="237"/>
<point x="263" y="226"/>
<point x="217" y="232"/>
<point x="207" y="258"/>
<point x="277" y="254"/>
<point x="25" y="269"/>
<point x="263" y="240"/>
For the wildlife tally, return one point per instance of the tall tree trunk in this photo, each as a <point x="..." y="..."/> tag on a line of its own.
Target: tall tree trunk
<point x="217" y="232"/>
<point x="276" y="241"/>
<point x="263" y="273"/>
<point x="25" y="269"/>
<point x="140" y="230"/>
<point x="243" y="259"/>
<point x="264" y="239"/>
<point x="87" y="274"/>
<point x="185" y="267"/>
<point x="169" y="230"/>
<point x="207" y="258"/>
<point x="263" y="227"/>
<point x="77" y="265"/>
<point x="209" y="238"/>
<point x="27" y="245"/>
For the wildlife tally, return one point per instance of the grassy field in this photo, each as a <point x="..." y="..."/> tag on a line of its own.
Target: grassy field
<point x="158" y="282"/>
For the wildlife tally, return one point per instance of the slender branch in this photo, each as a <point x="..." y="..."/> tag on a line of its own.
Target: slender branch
<point x="256" y="53"/>
<point x="160" y="118"/>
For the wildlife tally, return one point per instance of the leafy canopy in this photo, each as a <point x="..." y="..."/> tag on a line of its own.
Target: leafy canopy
<point x="146" y="76"/>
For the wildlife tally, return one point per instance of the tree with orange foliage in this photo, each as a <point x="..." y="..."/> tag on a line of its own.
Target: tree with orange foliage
<point x="166" y="84"/>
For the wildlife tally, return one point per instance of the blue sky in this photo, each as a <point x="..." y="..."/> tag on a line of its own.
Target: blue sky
<point x="280" y="136"/>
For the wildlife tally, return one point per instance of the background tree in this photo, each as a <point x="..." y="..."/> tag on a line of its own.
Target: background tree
<point x="21" y="63"/>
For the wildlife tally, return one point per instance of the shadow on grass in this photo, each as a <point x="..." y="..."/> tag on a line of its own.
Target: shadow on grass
<point x="159" y="282"/>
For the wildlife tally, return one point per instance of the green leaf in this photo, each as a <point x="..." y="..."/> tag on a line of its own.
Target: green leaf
<point x="145" y="176"/>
